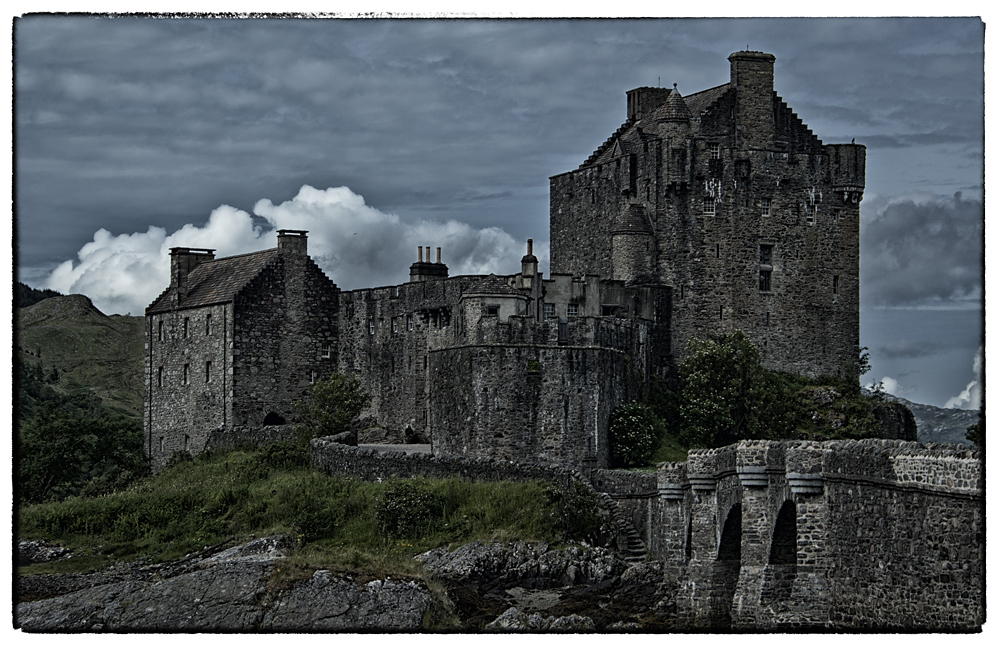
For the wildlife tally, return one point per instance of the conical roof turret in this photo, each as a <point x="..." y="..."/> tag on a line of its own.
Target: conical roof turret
<point x="675" y="109"/>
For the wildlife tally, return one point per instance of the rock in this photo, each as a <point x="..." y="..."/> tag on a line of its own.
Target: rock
<point x="514" y="620"/>
<point x="897" y="421"/>
<point x="29" y="552"/>
<point x="228" y="591"/>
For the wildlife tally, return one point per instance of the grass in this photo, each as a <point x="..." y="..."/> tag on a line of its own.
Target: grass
<point x="227" y="498"/>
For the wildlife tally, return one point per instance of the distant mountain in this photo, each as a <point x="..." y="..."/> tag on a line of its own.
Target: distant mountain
<point x="944" y="425"/>
<point x="89" y="350"/>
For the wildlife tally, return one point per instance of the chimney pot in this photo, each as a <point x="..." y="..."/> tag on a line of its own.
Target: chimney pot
<point x="420" y="254"/>
<point x="439" y="255"/>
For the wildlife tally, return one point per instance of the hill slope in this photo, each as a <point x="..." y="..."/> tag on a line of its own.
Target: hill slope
<point x="945" y="425"/>
<point x="90" y="350"/>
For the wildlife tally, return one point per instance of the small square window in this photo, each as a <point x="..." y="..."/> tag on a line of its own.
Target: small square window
<point x="708" y="206"/>
<point x="573" y="309"/>
<point x="492" y="310"/>
<point x="713" y="151"/>
<point x="326" y="351"/>
<point x="395" y="324"/>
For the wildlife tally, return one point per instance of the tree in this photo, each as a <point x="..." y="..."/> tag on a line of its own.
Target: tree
<point x="634" y="435"/>
<point x="67" y="456"/>
<point x="331" y="406"/>
<point x="726" y="395"/>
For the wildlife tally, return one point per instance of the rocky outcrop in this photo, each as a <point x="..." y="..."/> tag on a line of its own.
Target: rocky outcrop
<point x="231" y="591"/>
<point x="530" y="587"/>
<point x="897" y="421"/>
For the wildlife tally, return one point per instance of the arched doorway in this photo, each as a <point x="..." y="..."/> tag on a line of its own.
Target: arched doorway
<point x="273" y="419"/>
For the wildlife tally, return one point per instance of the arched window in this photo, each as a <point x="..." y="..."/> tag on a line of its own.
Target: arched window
<point x="273" y="419"/>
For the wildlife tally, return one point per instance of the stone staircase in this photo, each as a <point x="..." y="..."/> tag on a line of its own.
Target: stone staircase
<point x="634" y="549"/>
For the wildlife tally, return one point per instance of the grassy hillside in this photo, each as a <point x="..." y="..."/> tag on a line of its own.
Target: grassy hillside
<point x="89" y="350"/>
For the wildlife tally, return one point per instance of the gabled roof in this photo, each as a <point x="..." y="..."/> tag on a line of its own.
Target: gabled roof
<point x="217" y="281"/>
<point x="701" y="101"/>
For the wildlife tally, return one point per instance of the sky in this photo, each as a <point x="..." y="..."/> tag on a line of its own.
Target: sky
<point x="134" y="135"/>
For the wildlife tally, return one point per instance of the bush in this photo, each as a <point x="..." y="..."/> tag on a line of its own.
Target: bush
<point x="407" y="508"/>
<point x="576" y="512"/>
<point x="331" y="406"/>
<point x="635" y="433"/>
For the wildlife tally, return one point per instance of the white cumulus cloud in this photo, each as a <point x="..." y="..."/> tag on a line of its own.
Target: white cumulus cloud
<point x="355" y="244"/>
<point x="969" y="398"/>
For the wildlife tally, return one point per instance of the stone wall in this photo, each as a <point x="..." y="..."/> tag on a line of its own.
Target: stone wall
<point x="285" y="337"/>
<point x="872" y="534"/>
<point x="188" y="379"/>
<point x="379" y="466"/>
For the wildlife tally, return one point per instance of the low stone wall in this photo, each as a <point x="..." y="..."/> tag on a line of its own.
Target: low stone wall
<point x="232" y="437"/>
<point x="379" y="466"/>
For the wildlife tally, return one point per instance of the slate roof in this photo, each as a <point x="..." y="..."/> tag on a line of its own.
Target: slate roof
<point x="217" y="281"/>
<point x="701" y="101"/>
<point x="493" y="286"/>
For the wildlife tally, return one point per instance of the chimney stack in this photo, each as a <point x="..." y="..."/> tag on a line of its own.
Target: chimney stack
<point x="182" y="261"/>
<point x="752" y="76"/>
<point x="424" y="269"/>
<point x="292" y="241"/>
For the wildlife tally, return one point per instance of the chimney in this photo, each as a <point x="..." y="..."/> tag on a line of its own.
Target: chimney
<point x="529" y="264"/>
<point x="751" y="74"/>
<point x="292" y="242"/>
<point x="182" y="261"/>
<point x="426" y="270"/>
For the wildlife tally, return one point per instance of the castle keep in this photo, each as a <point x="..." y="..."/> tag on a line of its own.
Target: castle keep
<point x="699" y="215"/>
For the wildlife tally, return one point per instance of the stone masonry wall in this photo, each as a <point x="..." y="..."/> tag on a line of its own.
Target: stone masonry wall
<point x="285" y="338"/>
<point x="188" y="379"/>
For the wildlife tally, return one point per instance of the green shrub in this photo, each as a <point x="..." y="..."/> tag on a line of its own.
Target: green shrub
<point x="407" y="509"/>
<point x="575" y="511"/>
<point x="634" y="434"/>
<point x="331" y="406"/>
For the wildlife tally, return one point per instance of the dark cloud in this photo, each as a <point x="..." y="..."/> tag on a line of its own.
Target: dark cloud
<point x="923" y="252"/>
<point x="907" y="349"/>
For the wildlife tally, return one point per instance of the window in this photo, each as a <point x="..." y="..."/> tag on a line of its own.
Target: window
<point x="713" y="151"/>
<point x="208" y="371"/>
<point x="395" y="324"/>
<point x="184" y="376"/>
<point x="409" y="322"/>
<point x="159" y="376"/>
<point x="716" y="249"/>
<point x="326" y="351"/>
<point x="492" y="310"/>
<point x="208" y="324"/>
<point x="766" y="252"/>
<point x="371" y="326"/>
<point x="161" y="444"/>
<point x="159" y="333"/>
<point x="573" y="309"/>
<point x="720" y="312"/>
<point x="186" y="321"/>
<point x="548" y="311"/>
<point x="765" y="206"/>
<point x="811" y="212"/>
<point x="312" y="377"/>
<point x="836" y="284"/>
<point x="708" y="206"/>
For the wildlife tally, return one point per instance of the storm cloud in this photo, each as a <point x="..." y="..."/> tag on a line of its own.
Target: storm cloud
<point x="923" y="251"/>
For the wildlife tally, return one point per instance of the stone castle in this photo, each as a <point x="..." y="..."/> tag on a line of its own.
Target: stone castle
<point x="701" y="214"/>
